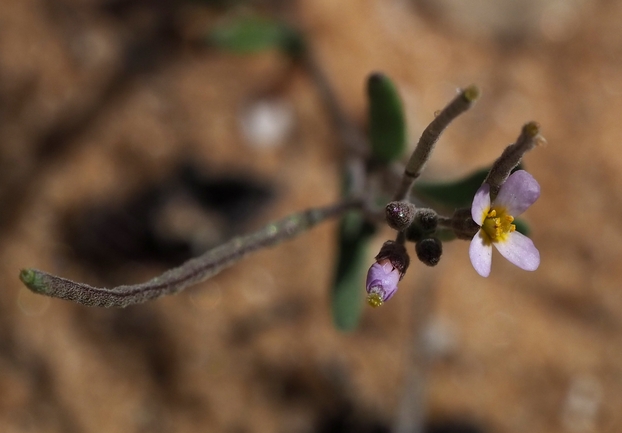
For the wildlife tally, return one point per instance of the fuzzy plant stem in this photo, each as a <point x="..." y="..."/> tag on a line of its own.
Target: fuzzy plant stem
<point x="430" y="136"/>
<point x="511" y="157"/>
<point x="191" y="272"/>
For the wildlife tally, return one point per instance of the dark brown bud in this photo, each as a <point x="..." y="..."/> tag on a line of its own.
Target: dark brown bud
<point x="429" y="251"/>
<point x="396" y="253"/>
<point x="463" y="225"/>
<point x="400" y="214"/>
<point x="427" y="219"/>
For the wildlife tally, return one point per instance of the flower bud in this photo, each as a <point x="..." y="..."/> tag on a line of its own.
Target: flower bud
<point x="429" y="251"/>
<point x="427" y="219"/>
<point x="423" y="225"/>
<point x="463" y="225"/>
<point x="383" y="276"/>
<point x="400" y="214"/>
<point x="382" y="279"/>
<point x="397" y="255"/>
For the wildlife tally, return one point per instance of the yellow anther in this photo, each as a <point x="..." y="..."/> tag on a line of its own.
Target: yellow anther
<point x="374" y="300"/>
<point x="498" y="227"/>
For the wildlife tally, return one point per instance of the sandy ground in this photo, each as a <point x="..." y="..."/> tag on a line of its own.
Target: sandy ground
<point x="100" y="101"/>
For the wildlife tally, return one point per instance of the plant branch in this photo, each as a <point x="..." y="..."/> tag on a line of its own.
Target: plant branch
<point x="430" y="136"/>
<point x="191" y="272"/>
<point x="511" y="157"/>
<point x="352" y="136"/>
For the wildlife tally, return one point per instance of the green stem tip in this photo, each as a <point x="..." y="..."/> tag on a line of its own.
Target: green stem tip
<point x="531" y="129"/>
<point x="32" y="279"/>
<point x="471" y="93"/>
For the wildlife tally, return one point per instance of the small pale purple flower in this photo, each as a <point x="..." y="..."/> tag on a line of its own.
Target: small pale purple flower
<point x="382" y="279"/>
<point x="518" y="192"/>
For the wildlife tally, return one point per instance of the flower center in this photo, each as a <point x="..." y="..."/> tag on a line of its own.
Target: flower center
<point x="498" y="224"/>
<point x="374" y="299"/>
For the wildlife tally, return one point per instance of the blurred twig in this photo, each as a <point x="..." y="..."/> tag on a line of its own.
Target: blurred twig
<point x="411" y="412"/>
<point x="352" y="137"/>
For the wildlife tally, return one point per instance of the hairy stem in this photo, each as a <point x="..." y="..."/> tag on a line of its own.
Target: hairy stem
<point x="191" y="272"/>
<point x="511" y="157"/>
<point x="430" y="136"/>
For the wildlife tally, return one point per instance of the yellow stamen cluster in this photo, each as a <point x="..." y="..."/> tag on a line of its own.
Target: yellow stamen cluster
<point x="498" y="224"/>
<point x="374" y="299"/>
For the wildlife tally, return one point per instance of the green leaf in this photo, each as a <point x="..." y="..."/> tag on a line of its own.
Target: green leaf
<point x="349" y="282"/>
<point x="387" y="125"/>
<point x="454" y="194"/>
<point x="522" y="226"/>
<point x="252" y="34"/>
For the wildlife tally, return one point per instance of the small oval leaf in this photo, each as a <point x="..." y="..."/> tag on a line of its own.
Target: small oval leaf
<point x="349" y="282"/>
<point x="453" y="194"/>
<point x="252" y="34"/>
<point x="387" y="125"/>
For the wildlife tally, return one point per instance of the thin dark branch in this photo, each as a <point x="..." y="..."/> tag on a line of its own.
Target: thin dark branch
<point x="351" y="135"/>
<point x="511" y="157"/>
<point x="430" y="136"/>
<point x="191" y="272"/>
<point x="413" y="402"/>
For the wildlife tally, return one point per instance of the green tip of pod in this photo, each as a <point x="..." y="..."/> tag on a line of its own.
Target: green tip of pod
<point x="471" y="93"/>
<point x="32" y="279"/>
<point x="531" y="129"/>
<point x="27" y="276"/>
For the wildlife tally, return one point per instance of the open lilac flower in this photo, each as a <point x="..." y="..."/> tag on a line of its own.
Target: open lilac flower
<point x="382" y="279"/>
<point x="518" y="192"/>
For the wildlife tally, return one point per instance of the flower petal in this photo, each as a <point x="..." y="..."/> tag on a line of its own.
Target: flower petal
<point x="480" y="252"/>
<point x="389" y="291"/>
<point x="382" y="278"/>
<point x="481" y="204"/>
<point x="520" y="250"/>
<point x="518" y="192"/>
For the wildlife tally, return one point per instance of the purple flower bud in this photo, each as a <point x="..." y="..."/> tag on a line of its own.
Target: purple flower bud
<point x="382" y="279"/>
<point x="396" y="253"/>
<point x="400" y="214"/>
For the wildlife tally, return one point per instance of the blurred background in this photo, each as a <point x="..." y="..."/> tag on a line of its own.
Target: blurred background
<point x="128" y="144"/>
